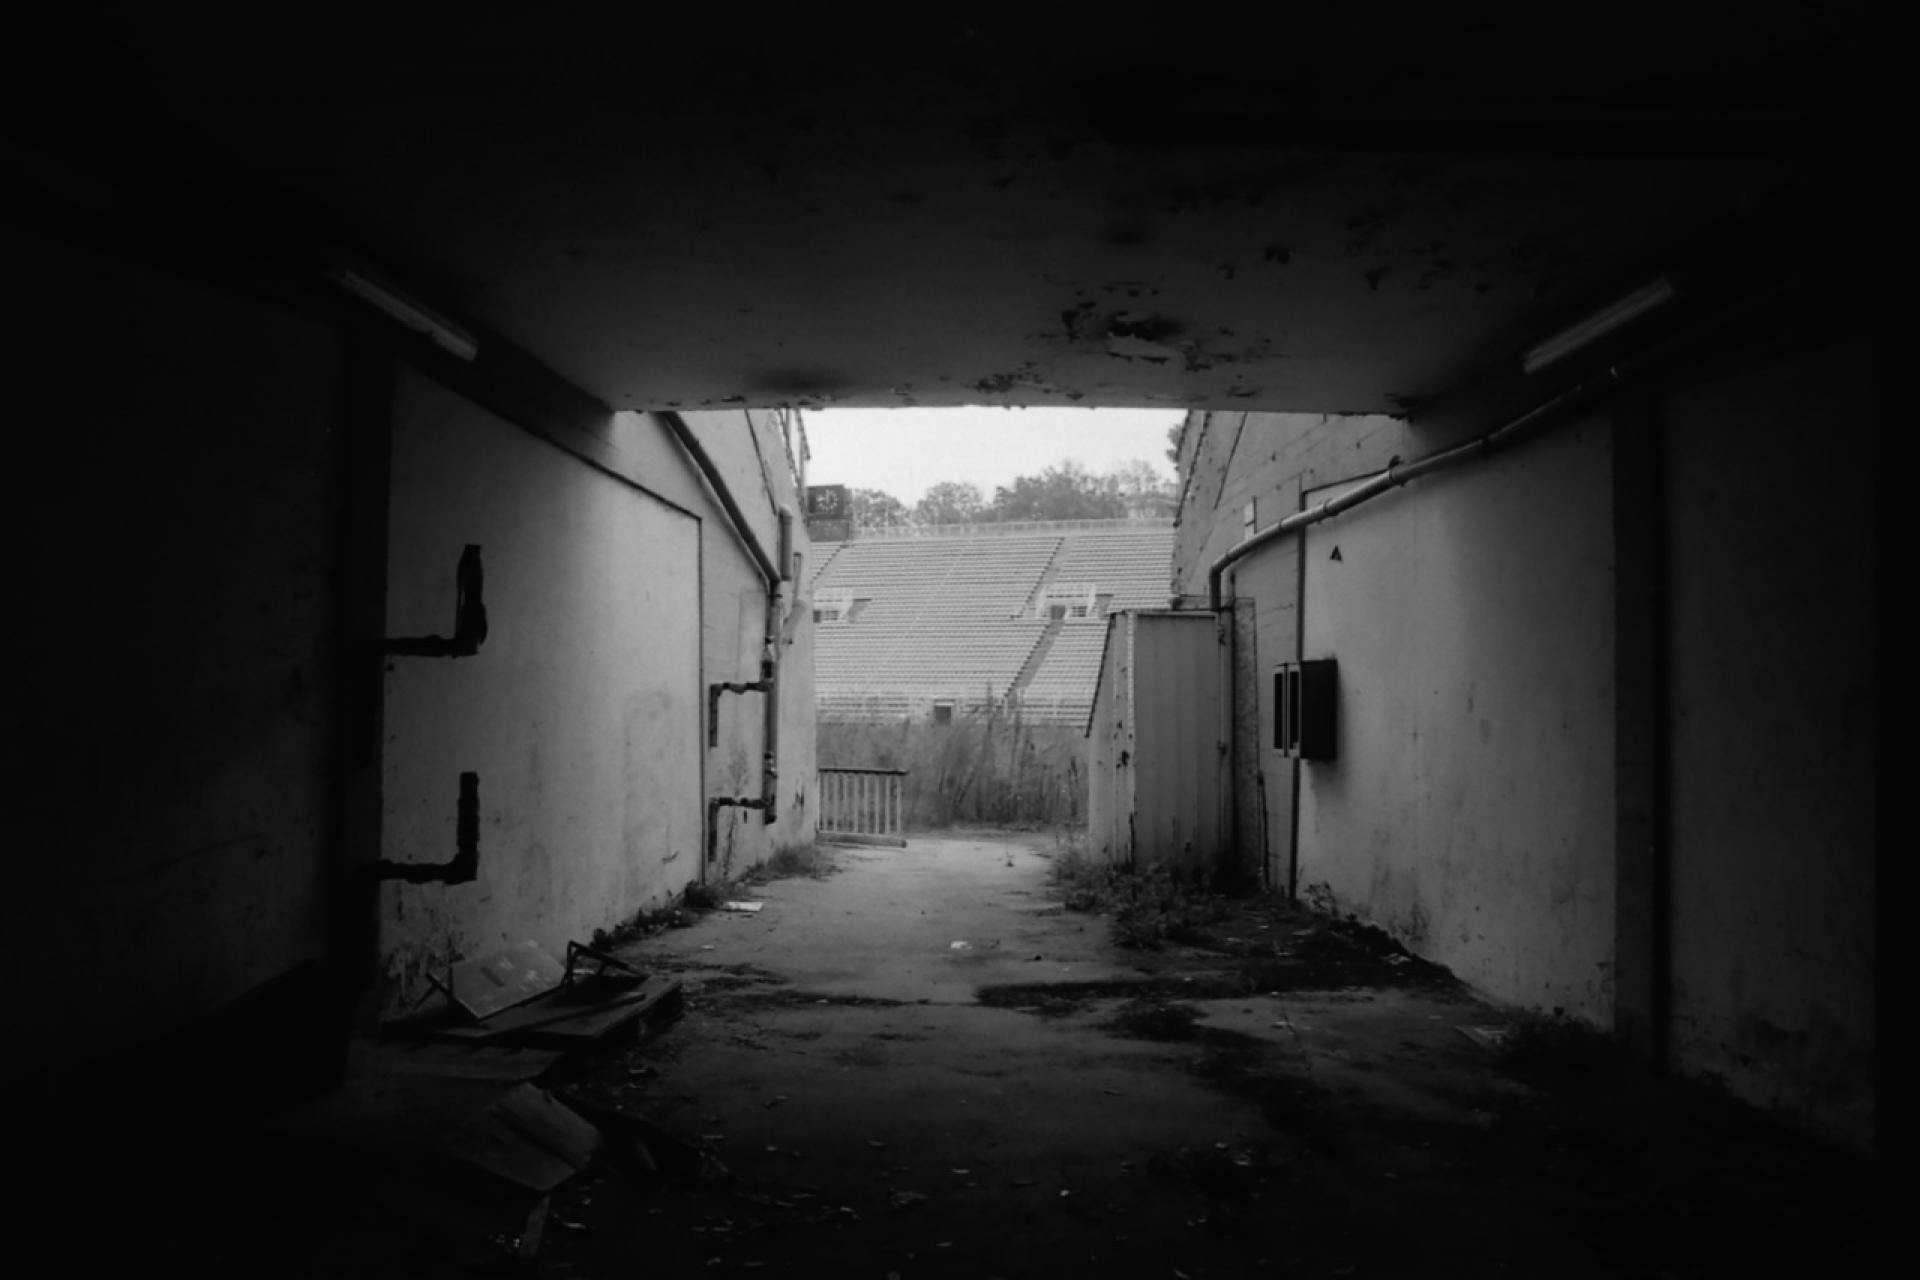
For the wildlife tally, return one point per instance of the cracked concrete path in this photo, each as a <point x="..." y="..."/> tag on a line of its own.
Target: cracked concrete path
<point x="849" y="1094"/>
<point x="1276" y="1099"/>
<point x="886" y="924"/>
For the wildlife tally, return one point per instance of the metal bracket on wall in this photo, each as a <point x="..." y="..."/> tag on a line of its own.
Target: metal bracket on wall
<point x="469" y="617"/>
<point x="716" y="803"/>
<point x="713" y="704"/>
<point x="465" y="865"/>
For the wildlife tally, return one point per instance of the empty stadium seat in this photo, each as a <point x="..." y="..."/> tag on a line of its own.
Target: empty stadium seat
<point x="951" y="617"/>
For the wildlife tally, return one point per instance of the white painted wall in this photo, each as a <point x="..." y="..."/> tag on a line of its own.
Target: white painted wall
<point x="1470" y="811"/>
<point x="1268" y="459"/>
<point x="581" y="713"/>
<point x="748" y="451"/>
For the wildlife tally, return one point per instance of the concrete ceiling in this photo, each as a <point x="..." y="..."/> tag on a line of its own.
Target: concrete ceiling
<point x="1321" y="216"/>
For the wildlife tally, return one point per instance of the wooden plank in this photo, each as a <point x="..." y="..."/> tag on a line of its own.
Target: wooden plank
<point x="562" y="1002"/>
<point x="658" y="995"/>
<point x="565" y="1018"/>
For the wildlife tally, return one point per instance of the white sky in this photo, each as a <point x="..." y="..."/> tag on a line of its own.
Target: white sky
<point x="904" y="451"/>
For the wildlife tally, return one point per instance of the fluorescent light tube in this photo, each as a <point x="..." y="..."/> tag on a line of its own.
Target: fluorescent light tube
<point x="1598" y="325"/>
<point x="412" y="314"/>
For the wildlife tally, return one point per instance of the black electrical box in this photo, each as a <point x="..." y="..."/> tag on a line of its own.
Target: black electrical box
<point x="1303" y="709"/>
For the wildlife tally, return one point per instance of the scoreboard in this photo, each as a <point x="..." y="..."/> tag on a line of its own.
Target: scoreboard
<point x="829" y="512"/>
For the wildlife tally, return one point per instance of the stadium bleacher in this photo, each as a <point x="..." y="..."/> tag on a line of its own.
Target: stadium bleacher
<point x="956" y="617"/>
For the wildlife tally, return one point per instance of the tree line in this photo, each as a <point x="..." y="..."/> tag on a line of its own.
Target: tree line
<point x="1064" y="491"/>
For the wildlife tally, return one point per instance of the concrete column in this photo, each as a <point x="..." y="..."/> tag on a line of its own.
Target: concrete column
<point x="1641" y="900"/>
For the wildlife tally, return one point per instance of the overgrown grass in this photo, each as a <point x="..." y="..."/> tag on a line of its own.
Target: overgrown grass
<point x="674" y="915"/>
<point x="1149" y="907"/>
<point x="796" y="860"/>
<point x="989" y="769"/>
<point x="790" y="862"/>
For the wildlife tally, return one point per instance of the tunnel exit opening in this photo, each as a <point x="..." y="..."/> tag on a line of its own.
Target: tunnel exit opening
<point x="965" y="564"/>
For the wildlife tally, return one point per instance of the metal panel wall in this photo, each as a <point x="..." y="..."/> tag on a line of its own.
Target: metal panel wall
<point x="1179" y="756"/>
<point x="1110" y="750"/>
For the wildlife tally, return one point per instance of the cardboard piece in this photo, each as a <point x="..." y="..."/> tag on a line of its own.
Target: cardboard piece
<point x="527" y="1137"/>
<point x="491" y="983"/>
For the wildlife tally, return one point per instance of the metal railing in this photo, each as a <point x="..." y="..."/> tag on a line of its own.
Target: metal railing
<point x="863" y="805"/>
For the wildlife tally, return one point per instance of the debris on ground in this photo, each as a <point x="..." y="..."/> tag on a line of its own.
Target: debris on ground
<point x="1488" y="1038"/>
<point x="1392" y="1149"/>
<point x="586" y="1011"/>
<point x="528" y="1137"/>
<point x="485" y="985"/>
<point x="527" y="1247"/>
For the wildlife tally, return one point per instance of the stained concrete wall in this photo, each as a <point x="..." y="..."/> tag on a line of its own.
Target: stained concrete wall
<point x="1470" y="809"/>
<point x="581" y="713"/>
<point x="1478" y="808"/>
<point x="177" y="477"/>
<point x="1229" y="460"/>
<point x="1492" y="586"/>
<point x="747" y="448"/>
<point x="1771" y="703"/>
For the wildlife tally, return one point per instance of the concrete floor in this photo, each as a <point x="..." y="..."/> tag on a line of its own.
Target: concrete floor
<point x="918" y="1066"/>
<point x="1279" y="1098"/>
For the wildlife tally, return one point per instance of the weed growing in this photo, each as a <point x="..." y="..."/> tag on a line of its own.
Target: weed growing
<point x="1149" y="908"/>
<point x="792" y="862"/>
<point x="988" y="769"/>
<point x="644" y="924"/>
<point x="788" y="863"/>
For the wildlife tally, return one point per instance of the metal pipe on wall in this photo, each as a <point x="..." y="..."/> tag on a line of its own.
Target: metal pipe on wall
<point x="771" y="576"/>
<point x="1400" y="473"/>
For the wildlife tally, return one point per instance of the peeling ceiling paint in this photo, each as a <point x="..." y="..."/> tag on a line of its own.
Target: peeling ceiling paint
<point x="1048" y="213"/>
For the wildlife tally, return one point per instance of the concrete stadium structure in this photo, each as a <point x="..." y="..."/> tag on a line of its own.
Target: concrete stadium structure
<point x="988" y="616"/>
